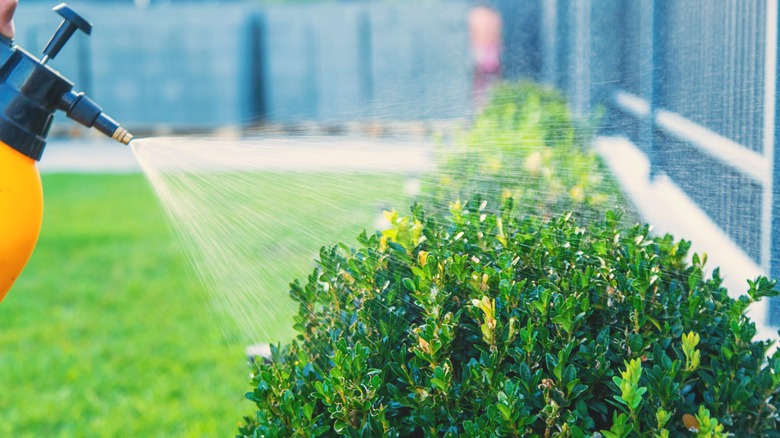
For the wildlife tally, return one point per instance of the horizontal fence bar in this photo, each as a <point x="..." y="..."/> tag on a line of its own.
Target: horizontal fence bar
<point x="632" y="104"/>
<point x="748" y="162"/>
<point x="770" y="108"/>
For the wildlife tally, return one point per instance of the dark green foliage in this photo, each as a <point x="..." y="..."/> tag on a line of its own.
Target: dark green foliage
<point x="526" y="144"/>
<point x="489" y="325"/>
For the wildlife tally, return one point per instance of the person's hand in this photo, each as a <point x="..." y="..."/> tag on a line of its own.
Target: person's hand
<point x="7" y="9"/>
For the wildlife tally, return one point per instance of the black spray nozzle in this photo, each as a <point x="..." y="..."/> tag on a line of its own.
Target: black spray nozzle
<point x="31" y="92"/>
<point x="70" y="22"/>
<point x="84" y="110"/>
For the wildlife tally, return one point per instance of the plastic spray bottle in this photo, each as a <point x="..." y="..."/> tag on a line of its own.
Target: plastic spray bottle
<point x="30" y="93"/>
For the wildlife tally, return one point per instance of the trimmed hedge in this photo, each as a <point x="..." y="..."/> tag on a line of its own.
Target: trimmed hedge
<point x="487" y="324"/>
<point x="526" y="145"/>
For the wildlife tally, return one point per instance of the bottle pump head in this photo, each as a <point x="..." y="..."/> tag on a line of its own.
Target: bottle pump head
<point x="31" y="92"/>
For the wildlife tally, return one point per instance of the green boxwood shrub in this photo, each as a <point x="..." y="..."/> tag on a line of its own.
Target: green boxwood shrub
<point x="526" y="145"/>
<point x="487" y="324"/>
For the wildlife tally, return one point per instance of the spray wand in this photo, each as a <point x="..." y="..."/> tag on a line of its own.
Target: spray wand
<point x="30" y="93"/>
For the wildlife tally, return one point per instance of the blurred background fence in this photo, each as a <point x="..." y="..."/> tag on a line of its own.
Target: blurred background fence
<point x="205" y="65"/>
<point x="692" y="83"/>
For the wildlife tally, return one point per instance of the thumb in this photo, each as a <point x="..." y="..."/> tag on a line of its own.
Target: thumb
<point x="7" y="8"/>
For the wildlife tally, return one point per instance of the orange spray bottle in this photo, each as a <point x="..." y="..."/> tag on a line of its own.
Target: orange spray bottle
<point x="30" y="93"/>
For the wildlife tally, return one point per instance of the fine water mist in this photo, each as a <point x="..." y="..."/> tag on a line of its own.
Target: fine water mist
<point x="251" y="215"/>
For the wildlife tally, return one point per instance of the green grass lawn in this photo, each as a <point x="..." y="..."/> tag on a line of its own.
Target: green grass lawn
<point x="106" y="333"/>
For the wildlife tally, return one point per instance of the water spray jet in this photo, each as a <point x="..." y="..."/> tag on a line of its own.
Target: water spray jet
<point x="30" y="93"/>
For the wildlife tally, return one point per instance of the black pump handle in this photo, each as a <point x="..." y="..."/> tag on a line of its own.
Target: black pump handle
<point x="71" y="21"/>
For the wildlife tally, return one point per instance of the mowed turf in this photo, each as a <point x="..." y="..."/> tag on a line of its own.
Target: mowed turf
<point x="107" y="333"/>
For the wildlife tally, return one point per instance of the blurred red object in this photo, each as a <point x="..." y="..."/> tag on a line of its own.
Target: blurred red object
<point x="485" y="28"/>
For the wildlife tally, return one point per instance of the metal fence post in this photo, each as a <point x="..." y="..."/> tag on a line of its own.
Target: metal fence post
<point x="656" y="92"/>
<point x="562" y="51"/>
<point x="523" y="34"/>
<point x="774" y="158"/>
<point x="257" y="78"/>
<point x="774" y="240"/>
<point x="581" y="64"/>
<point x="365" y="60"/>
<point x="548" y="44"/>
<point x="644" y="86"/>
